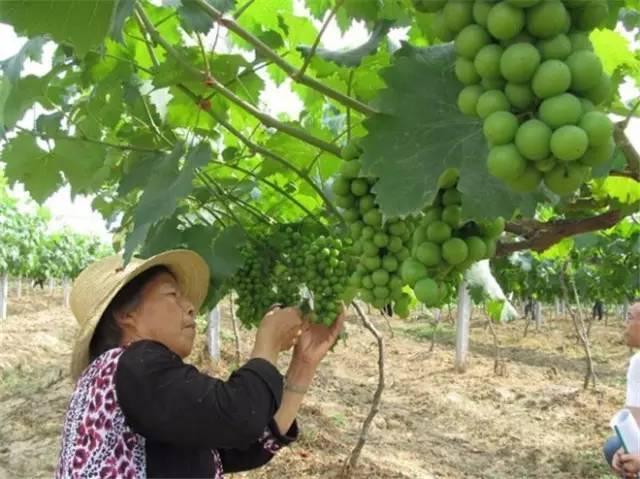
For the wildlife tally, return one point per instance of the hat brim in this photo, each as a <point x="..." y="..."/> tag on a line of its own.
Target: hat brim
<point x="191" y="273"/>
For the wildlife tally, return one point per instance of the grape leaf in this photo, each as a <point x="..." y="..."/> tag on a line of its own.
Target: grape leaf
<point x="124" y="9"/>
<point x="32" y="50"/>
<point x="194" y="19"/>
<point x="81" y="163"/>
<point x="166" y="186"/>
<point x="225" y="259"/>
<point x="82" y="24"/>
<point x="28" y="164"/>
<point x="420" y="132"/>
<point x="613" y="49"/>
<point x="24" y="93"/>
<point x="354" y="56"/>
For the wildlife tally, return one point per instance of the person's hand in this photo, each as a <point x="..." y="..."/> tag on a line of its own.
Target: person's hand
<point x="315" y="341"/>
<point x="312" y="345"/>
<point x="616" y="463"/>
<point x="630" y="465"/>
<point x="278" y="331"/>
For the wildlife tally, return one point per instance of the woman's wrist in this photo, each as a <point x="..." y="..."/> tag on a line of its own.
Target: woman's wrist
<point x="299" y="376"/>
<point x="263" y="352"/>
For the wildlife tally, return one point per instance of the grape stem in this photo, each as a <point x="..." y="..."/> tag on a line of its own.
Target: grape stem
<point x="265" y="119"/>
<point x="231" y="25"/>
<point x="539" y="236"/>
<point x="266" y="153"/>
<point x="297" y="76"/>
<point x="628" y="150"/>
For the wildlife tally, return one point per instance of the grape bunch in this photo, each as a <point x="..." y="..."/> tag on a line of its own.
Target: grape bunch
<point x="531" y="75"/>
<point x="281" y="265"/>
<point x="321" y="264"/>
<point x="444" y="246"/>
<point x="254" y="284"/>
<point x="379" y="246"/>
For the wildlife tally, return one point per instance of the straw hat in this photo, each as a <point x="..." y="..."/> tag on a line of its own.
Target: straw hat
<point x="99" y="283"/>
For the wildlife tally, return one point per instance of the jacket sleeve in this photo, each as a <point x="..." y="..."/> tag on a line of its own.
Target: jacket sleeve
<point x="260" y="452"/>
<point x="166" y="400"/>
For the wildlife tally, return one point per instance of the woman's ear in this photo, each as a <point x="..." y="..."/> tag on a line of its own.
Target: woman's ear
<point x="126" y="320"/>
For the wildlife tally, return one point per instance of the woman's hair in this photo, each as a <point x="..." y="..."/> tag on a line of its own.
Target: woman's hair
<point x="108" y="334"/>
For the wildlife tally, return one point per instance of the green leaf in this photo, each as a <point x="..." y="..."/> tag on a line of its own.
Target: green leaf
<point x="559" y="250"/>
<point x="354" y="56"/>
<point x="494" y="309"/>
<point x="193" y="18"/>
<point x="586" y="240"/>
<point x="5" y="90"/>
<point x="166" y="187"/>
<point x="82" y="24"/>
<point x="24" y="93"/>
<point x="420" y="133"/>
<point x="225" y="259"/>
<point x="620" y="188"/>
<point x="28" y="164"/>
<point x="614" y="50"/>
<point x="164" y="235"/>
<point x="265" y="13"/>
<point x="124" y="9"/>
<point x="81" y="163"/>
<point x="32" y="50"/>
<point x="51" y="124"/>
<point x="318" y="8"/>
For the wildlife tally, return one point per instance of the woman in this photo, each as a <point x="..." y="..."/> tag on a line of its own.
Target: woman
<point x="138" y="411"/>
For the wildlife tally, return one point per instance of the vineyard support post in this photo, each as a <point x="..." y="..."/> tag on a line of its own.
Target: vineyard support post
<point x="19" y="287"/>
<point x="66" y="292"/>
<point x="52" y="283"/>
<point x="234" y="324"/>
<point x="537" y="314"/>
<point x="436" y="321"/>
<point x="4" y="290"/>
<point x="462" y="327"/>
<point x="213" y="333"/>
<point x="557" y="301"/>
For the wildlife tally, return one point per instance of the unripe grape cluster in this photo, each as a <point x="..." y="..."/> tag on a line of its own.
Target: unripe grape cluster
<point x="444" y="246"/>
<point x="281" y="265"/>
<point x="322" y="265"/>
<point x="380" y="245"/>
<point x="531" y="75"/>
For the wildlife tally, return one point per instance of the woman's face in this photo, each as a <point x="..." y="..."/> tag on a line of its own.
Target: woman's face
<point x="164" y="314"/>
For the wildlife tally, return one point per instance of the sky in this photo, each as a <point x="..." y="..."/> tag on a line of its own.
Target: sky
<point x="78" y="214"/>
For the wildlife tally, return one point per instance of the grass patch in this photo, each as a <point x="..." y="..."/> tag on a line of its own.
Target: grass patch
<point x="444" y="333"/>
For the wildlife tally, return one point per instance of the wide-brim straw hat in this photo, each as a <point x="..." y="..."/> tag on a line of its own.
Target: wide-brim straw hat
<point x="94" y="289"/>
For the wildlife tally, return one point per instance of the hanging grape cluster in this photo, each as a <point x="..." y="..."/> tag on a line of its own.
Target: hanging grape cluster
<point x="444" y="246"/>
<point x="379" y="246"/>
<point x="288" y="265"/>
<point x="531" y="75"/>
<point x="322" y="266"/>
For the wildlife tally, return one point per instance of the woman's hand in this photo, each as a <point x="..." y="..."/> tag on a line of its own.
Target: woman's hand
<point x="616" y="463"/>
<point x="630" y="465"/>
<point x="312" y="345"/>
<point x="315" y="341"/>
<point x="278" y="331"/>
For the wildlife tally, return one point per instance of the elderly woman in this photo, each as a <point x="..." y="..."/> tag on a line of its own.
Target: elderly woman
<point x="139" y="411"/>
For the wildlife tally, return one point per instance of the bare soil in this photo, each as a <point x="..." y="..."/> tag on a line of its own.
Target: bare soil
<point x="532" y="421"/>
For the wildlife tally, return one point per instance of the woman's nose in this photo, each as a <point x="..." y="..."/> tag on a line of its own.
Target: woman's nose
<point x="189" y="308"/>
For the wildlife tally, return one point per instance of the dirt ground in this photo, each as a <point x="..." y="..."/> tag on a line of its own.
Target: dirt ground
<point x="533" y="422"/>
